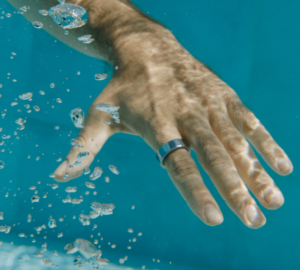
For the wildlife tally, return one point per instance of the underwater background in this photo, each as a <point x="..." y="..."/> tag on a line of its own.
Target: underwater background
<point x="252" y="45"/>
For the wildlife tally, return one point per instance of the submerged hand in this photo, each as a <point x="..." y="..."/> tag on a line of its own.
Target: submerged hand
<point x="164" y="94"/>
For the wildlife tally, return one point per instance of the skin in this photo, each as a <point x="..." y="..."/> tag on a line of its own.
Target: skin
<point x="164" y="93"/>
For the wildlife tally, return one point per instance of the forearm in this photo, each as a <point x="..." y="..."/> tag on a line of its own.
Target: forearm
<point x="109" y="22"/>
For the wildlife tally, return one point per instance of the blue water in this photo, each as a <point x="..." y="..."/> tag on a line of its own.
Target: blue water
<point x="252" y="45"/>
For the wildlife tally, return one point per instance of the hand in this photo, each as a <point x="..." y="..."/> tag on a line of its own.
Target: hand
<point x="164" y="94"/>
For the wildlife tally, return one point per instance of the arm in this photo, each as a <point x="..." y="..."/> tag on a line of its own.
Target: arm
<point x="109" y="22"/>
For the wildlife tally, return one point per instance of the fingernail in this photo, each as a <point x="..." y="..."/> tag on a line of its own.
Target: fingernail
<point x="253" y="216"/>
<point x="283" y="165"/>
<point x="212" y="214"/>
<point x="61" y="168"/>
<point x="273" y="197"/>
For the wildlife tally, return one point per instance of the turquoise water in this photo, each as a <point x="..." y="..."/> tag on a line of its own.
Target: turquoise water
<point x="253" y="46"/>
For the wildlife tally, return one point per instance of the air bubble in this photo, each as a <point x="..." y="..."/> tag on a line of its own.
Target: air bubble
<point x="43" y="12"/>
<point x="37" y="25"/>
<point x="113" y="169"/>
<point x="22" y="10"/>
<point x="77" y="117"/>
<point x="68" y="16"/>
<point x="35" y="198"/>
<point x="96" y="173"/>
<point x="52" y="223"/>
<point x="82" y="156"/>
<point x="36" y="108"/>
<point x="38" y="254"/>
<point x="90" y="185"/>
<point x="107" y="108"/>
<point x="26" y="96"/>
<point x="71" y="189"/>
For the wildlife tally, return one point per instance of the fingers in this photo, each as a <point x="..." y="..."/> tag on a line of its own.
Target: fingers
<point x="247" y="164"/>
<point x="258" y="136"/>
<point x="185" y="175"/>
<point x="218" y="164"/>
<point x="91" y="138"/>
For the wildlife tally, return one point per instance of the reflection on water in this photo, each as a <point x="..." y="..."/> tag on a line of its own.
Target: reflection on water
<point x="20" y="257"/>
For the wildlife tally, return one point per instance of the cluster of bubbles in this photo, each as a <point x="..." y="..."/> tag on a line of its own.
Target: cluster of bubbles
<point x="70" y="16"/>
<point x="113" y="110"/>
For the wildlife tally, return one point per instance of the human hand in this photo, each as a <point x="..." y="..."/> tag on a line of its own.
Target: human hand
<point x="164" y="93"/>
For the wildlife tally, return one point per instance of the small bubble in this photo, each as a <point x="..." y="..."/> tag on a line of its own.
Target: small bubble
<point x="130" y="230"/>
<point x="77" y="117"/>
<point x="71" y="189"/>
<point x="35" y="198"/>
<point x="8" y="15"/>
<point x="66" y="32"/>
<point x="36" y="108"/>
<point x="43" y="12"/>
<point x="26" y="96"/>
<point x="42" y="92"/>
<point x="52" y="85"/>
<point x="113" y="169"/>
<point x="107" y="180"/>
<point x="100" y="77"/>
<point x="58" y="100"/>
<point x="1" y="164"/>
<point x="37" y="25"/>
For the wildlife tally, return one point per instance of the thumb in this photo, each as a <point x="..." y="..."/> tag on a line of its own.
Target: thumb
<point x="89" y="142"/>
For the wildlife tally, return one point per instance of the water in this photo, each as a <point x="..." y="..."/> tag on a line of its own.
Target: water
<point x="253" y="46"/>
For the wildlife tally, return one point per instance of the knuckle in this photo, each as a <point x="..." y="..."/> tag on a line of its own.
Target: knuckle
<point x="237" y="146"/>
<point x="181" y="167"/>
<point x="237" y="193"/>
<point x="214" y="158"/>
